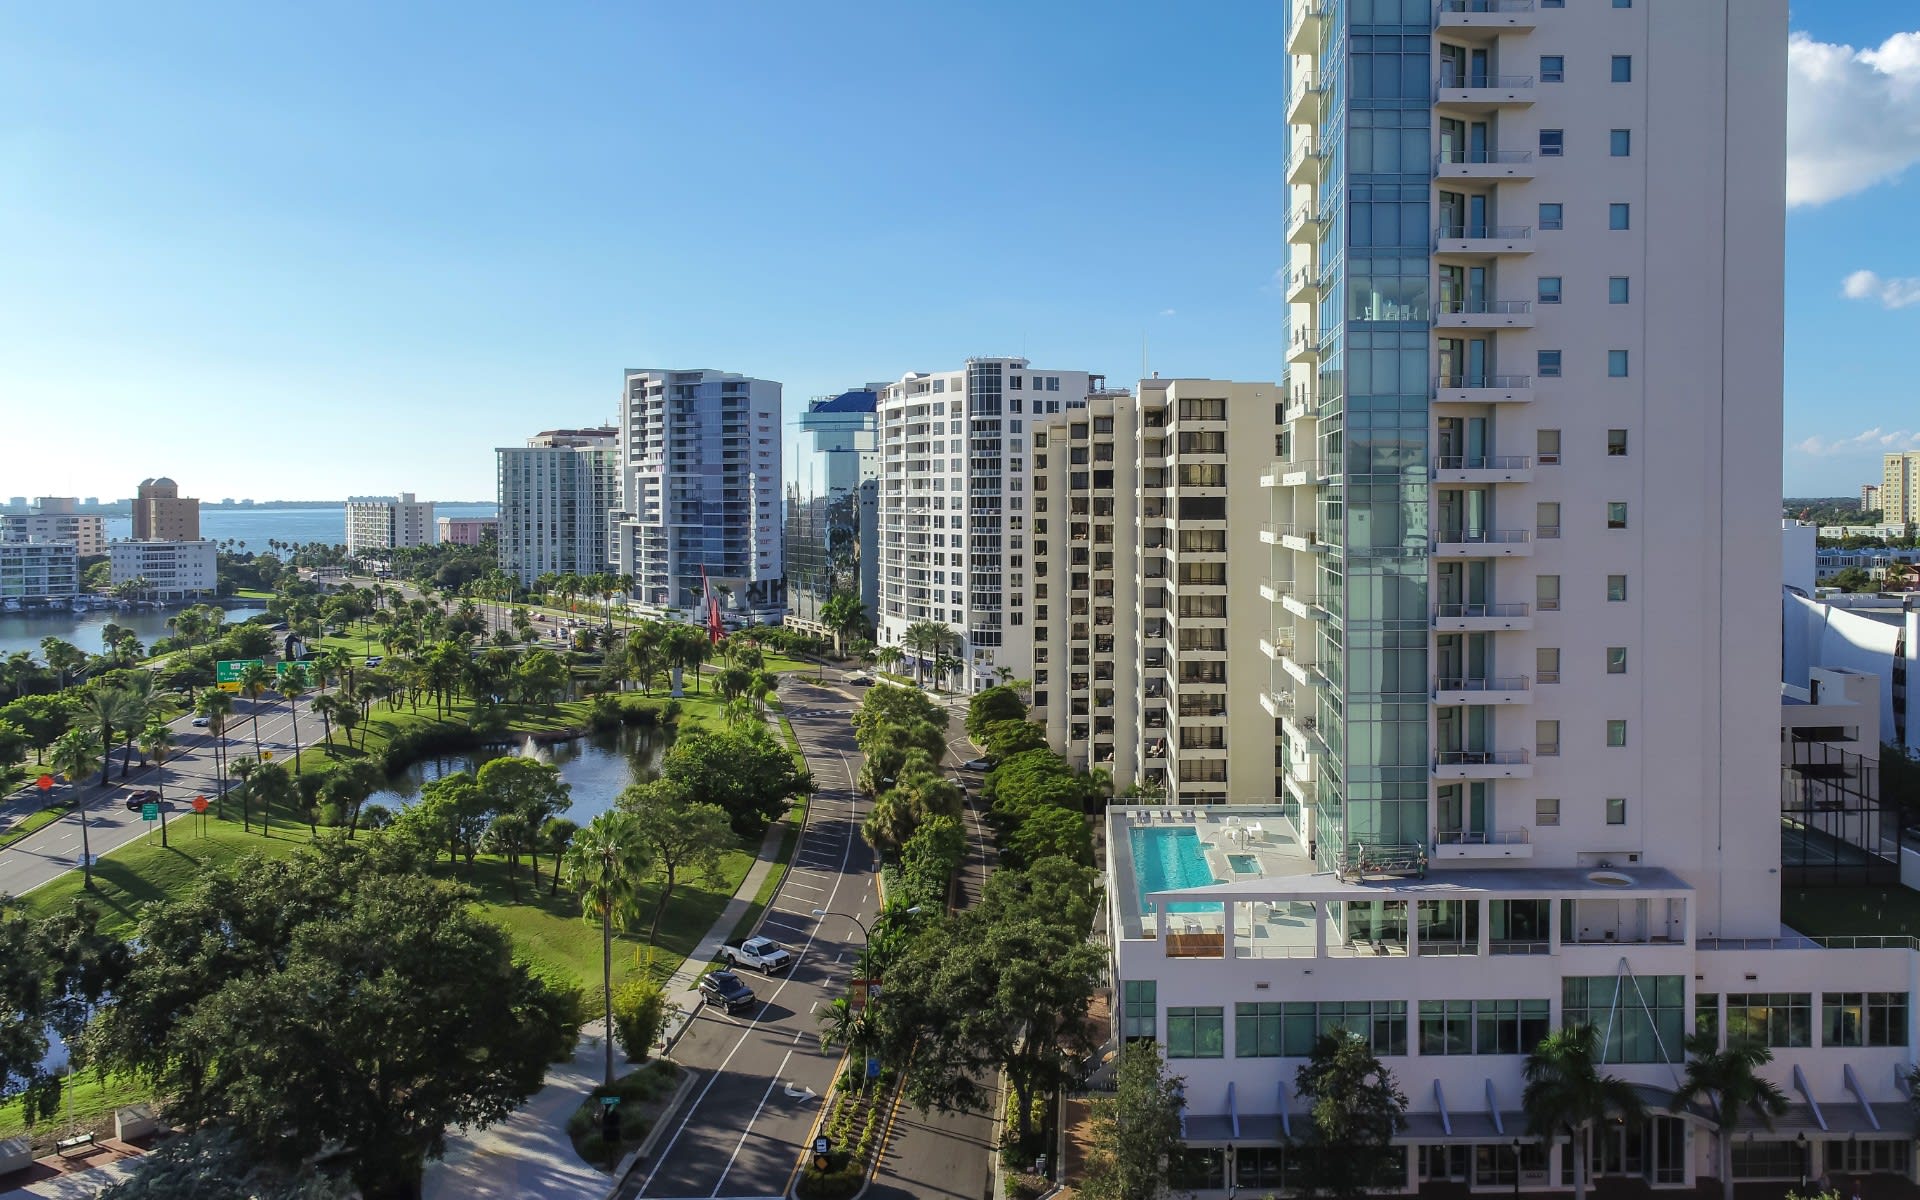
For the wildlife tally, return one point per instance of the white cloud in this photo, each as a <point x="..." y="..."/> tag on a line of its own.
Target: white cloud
<point x="1166" y="312"/>
<point x="1891" y="293"/>
<point x="1871" y="441"/>
<point x="1853" y="116"/>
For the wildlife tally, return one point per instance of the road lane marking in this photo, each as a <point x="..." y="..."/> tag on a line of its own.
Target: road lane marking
<point x="666" y="1152"/>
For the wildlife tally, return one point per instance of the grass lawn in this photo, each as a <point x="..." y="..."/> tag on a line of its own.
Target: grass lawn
<point x="1825" y="912"/>
<point x="93" y="1105"/>
<point x="31" y="823"/>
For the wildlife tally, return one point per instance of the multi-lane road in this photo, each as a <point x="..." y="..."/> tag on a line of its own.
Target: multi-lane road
<point x="55" y="850"/>
<point x="762" y="1073"/>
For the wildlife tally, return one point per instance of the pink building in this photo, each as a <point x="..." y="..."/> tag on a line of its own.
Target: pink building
<point x="468" y="531"/>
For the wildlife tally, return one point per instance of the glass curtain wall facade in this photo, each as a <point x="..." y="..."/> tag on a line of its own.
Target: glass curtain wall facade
<point x="1361" y="125"/>
<point x="832" y="539"/>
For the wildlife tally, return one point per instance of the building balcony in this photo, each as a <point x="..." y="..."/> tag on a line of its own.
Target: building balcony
<point x="1461" y="845"/>
<point x="1483" y="389"/>
<point x="1272" y="590"/>
<point x="1277" y="703"/>
<point x="1476" y="19"/>
<point x="1495" y="468"/>
<point x="1482" y="764"/>
<point x="1304" y="226"/>
<point x="1303" y="344"/>
<point x="1481" y="543"/>
<point x="1277" y="644"/>
<point x="1270" y="534"/>
<point x="1483" y="93"/>
<point x="1300" y="605"/>
<point x="1303" y="107"/>
<point x="1303" y="285"/>
<point x="1309" y="157"/>
<point x="1481" y="241"/>
<point x="1484" y="314"/>
<point x="1481" y="618"/>
<point x="1484" y="164"/>
<point x="1299" y="664"/>
<point x="1302" y="472"/>
<point x="1491" y="689"/>
<point x="1309" y="18"/>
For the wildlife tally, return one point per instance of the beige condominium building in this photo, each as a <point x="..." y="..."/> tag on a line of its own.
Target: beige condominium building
<point x="55" y="519"/>
<point x="162" y="514"/>
<point x="1148" y="565"/>
<point x="1898" y="498"/>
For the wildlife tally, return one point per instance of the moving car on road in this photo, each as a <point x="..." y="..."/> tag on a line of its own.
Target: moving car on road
<point x="763" y="954"/>
<point x="724" y="989"/>
<point x="143" y="796"/>
<point x="976" y="764"/>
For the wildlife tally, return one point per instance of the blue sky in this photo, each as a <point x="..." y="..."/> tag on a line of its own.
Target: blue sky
<point x="298" y="253"/>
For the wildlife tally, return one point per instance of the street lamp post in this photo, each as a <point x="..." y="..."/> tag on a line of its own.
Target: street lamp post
<point x="866" y="935"/>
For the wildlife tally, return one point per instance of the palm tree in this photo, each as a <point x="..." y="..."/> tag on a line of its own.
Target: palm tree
<point x="244" y="768"/>
<point x="928" y="640"/>
<point x="857" y="1029"/>
<point x="844" y="614"/>
<point x="604" y="864"/>
<point x="75" y="755"/>
<point x="1728" y="1077"/>
<point x="1565" y="1091"/>
<point x="62" y="656"/>
<point x="291" y="686"/>
<point x="139" y="688"/>
<point x="255" y="683"/>
<point x="217" y="706"/>
<point x="156" y="742"/>
<point x="557" y="834"/>
<point x="887" y="657"/>
<point x="111" y="710"/>
<point x="687" y="646"/>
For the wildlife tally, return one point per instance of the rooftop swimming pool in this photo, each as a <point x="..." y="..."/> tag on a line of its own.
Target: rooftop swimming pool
<point x="1166" y="858"/>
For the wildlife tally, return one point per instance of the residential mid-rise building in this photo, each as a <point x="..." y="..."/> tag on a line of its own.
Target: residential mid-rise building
<point x="1869" y="498"/>
<point x="1899" y="495"/>
<point x="57" y="519"/>
<point x="467" y="531"/>
<point x="166" y="570"/>
<point x="700" y="462"/>
<point x="1536" y="316"/>
<point x="832" y="544"/>
<point x="953" y="506"/>
<point x="36" y="571"/>
<point x="162" y="514"/>
<point x="379" y="523"/>
<point x="557" y="494"/>
<point x="1149" y="566"/>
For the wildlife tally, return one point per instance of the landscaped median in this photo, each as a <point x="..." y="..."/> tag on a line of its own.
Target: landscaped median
<point x="855" y="1120"/>
<point x="33" y="822"/>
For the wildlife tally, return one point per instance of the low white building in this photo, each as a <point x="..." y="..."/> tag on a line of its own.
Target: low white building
<point x="377" y="523"/>
<point x="37" y="571"/>
<point x="172" y="570"/>
<point x="1234" y="951"/>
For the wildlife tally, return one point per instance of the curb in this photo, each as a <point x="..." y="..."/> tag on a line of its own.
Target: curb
<point x="632" y="1162"/>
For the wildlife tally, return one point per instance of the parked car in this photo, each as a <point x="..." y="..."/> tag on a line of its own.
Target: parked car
<point x="761" y="953"/>
<point x="977" y="764"/>
<point x="724" y="989"/>
<point x="860" y="679"/>
<point x="374" y="660"/>
<point x="142" y="797"/>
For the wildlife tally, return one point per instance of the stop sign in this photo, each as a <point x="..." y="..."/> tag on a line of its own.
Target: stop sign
<point x="44" y="783"/>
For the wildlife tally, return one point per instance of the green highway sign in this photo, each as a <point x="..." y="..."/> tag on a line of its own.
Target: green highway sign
<point x="227" y="672"/>
<point x="280" y="669"/>
<point x="149" y="811"/>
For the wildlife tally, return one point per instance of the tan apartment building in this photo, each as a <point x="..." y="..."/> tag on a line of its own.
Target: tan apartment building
<point x="162" y="514"/>
<point x="1148" y="567"/>
<point x="1899" y="481"/>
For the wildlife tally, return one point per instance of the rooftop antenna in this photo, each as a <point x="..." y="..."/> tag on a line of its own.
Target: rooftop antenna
<point x="1143" y="354"/>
